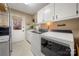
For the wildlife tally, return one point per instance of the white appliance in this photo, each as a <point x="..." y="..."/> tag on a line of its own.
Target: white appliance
<point x="4" y="41"/>
<point x="4" y="45"/>
<point x="57" y="43"/>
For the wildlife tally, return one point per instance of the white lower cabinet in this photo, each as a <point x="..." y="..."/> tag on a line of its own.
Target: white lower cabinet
<point x="36" y="44"/>
<point x="29" y="36"/>
<point x="35" y="40"/>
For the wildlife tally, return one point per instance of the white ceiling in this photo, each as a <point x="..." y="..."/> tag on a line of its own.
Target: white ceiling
<point x="31" y="8"/>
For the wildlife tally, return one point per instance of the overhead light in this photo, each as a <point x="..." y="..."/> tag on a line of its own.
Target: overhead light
<point x="26" y="3"/>
<point x="30" y="4"/>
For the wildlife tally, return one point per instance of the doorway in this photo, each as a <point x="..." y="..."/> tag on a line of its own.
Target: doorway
<point x="18" y="28"/>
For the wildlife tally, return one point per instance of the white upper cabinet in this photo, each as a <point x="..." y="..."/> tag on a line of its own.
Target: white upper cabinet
<point x="40" y="16"/>
<point x="57" y="12"/>
<point x="78" y="8"/>
<point x="64" y="11"/>
<point x="48" y="13"/>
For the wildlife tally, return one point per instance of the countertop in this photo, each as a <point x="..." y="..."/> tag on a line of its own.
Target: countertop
<point x="63" y="36"/>
<point x="38" y="31"/>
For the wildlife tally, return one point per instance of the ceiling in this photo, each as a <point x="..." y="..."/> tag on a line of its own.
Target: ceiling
<point x="30" y="8"/>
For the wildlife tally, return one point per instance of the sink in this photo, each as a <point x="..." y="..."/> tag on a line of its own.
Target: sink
<point x="40" y="31"/>
<point x="36" y="32"/>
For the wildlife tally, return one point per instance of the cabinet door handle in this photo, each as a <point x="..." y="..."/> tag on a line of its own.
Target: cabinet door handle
<point x="56" y="16"/>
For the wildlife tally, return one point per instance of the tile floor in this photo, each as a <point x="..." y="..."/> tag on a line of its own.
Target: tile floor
<point x="21" y="48"/>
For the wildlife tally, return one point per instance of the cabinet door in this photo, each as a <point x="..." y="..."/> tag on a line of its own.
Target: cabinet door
<point x="78" y="8"/>
<point x="48" y="13"/>
<point x="40" y="16"/>
<point x="64" y="11"/>
<point x="36" y="44"/>
<point x="29" y="38"/>
<point x="4" y="49"/>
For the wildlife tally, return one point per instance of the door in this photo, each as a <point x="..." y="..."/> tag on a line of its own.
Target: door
<point x="65" y="10"/>
<point x="18" y="28"/>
